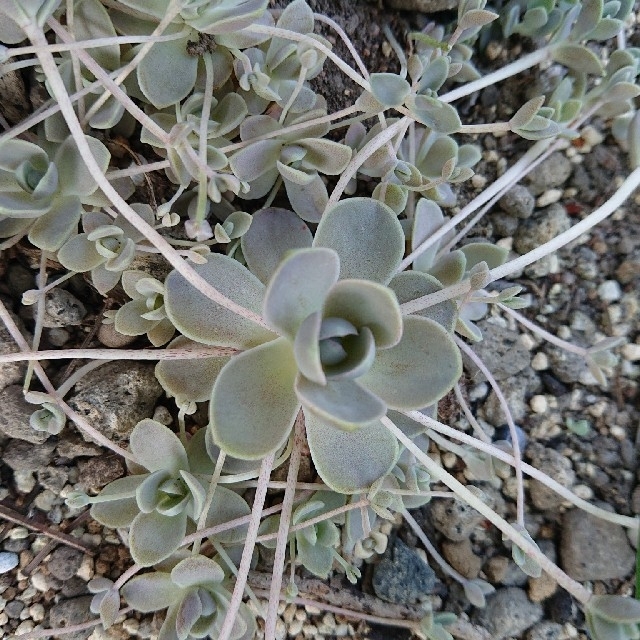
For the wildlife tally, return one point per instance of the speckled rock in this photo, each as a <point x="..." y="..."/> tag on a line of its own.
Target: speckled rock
<point x="11" y="372"/>
<point x="566" y="365"/>
<point x="501" y="351"/>
<point x="62" y="309"/>
<point x="455" y="519"/>
<point x="72" y="612"/>
<point x="540" y="228"/>
<point x="115" y="397"/>
<point x="516" y="390"/>
<point x="508" y="613"/>
<point x="518" y="202"/>
<point x="593" y="549"/>
<point x="23" y="456"/>
<point x="557" y="467"/>
<point x="545" y="631"/>
<point x="14" y="416"/>
<point x="99" y="472"/>
<point x="402" y="576"/>
<point x="64" y="562"/>
<point x="423" y="6"/>
<point x="553" y="172"/>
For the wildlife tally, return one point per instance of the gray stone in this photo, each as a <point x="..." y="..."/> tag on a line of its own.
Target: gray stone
<point x="23" y="457"/>
<point x="72" y="612"/>
<point x="503" y="224"/>
<point x="99" y="472"/>
<point x="518" y="202"/>
<point x="53" y="478"/>
<point x="72" y="446"/>
<point x="455" y="519"/>
<point x="545" y="631"/>
<point x="11" y="372"/>
<point x="62" y="309"/>
<point x="553" y="172"/>
<point x="402" y="576"/>
<point x="64" y="562"/>
<point x="542" y="227"/>
<point x="501" y="351"/>
<point x="508" y="613"/>
<point x="14" y="608"/>
<point x="115" y="397"/>
<point x="516" y="390"/>
<point x="8" y="561"/>
<point x="555" y="465"/>
<point x="594" y="549"/>
<point x="14" y="416"/>
<point x="73" y="587"/>
<point x="566" y="365"/>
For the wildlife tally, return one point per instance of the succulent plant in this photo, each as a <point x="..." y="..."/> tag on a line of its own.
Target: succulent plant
<point x="42" y="195"/>
<point x="157" y="503"/>
<point x="197" y="599"/>
<point x="344" y="351"/>
<point x="613" y="617"/>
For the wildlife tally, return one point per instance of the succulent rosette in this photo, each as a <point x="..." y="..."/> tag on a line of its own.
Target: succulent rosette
<point x="336" y="345"/>
<point x="194" y="590"/>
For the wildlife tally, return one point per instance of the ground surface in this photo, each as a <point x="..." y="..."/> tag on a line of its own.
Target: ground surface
<point x="589" y="290"/>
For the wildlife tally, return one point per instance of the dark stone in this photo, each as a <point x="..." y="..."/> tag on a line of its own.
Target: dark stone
<point x="402" y="576"/>
<point x="64" y="562"/>
<point x="70" y="613"/>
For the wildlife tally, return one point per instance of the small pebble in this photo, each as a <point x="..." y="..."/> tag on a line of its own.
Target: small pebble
<point x="36" y="611"/>
<point x="540" y="362"/>
<point x="631" y="352"/>
<point x="549" y="197"/>
<point x="609" y="291"/>
<point x="8" y="561"/>
<point x="539" y="404"/>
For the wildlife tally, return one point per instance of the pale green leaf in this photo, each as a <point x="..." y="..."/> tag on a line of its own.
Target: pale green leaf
<point x="150" y="592"/>
<point x="153" y="537"/>
<point x="389" y="88"/>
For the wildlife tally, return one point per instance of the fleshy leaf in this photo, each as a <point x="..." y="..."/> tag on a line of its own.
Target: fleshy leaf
<point x="299" y="287"/>
<point x="121" y="511"/>
<point x="350" y="461"/>
<point x="313" y="557"/>
<point x="272" y="233"/>
<point x="419" y="370"/>
<point x="150" y="592"/>
<point x="410" y="285"/>
<point x="367" y="236"/>
<point x="477" y="252"/>
<point x="226" y="506"/>
<point x="153" y="537"/>
<point x="389" y="89"/>
<point x="450" y="268"/>
<point x="188" y="380"/>
<point x="366" y="304"/>
<point x="578" y="58"/>
<point x="167" y="73"/>
<point x="74" y="175"/>
<point x="196" y="570"/>
<point x="344" y="403"/>
<point x="156" y="447"/>
<point x="205" y="321"/>
<point x="253" y="404"/>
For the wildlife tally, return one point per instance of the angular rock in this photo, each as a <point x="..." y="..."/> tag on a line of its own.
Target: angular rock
<point x="24" y="457"/>
<point x="70" y="613"/>
<point x="115" y="397"/>
<point x="62" y="309"/>
<point x="455" y="519"/>
<point x="540" y="228"/>
<point x="501" y="351"/>
<point x="14" y="416"/>
<point x="402" y="576"/>
<point x="594" y="549"/>
<point x="518" y="202"/>
<point x="64" y="562"/>
<point x="555" y="465"/>
<point x="508" y="613"/>
<point x="553" y="172"/>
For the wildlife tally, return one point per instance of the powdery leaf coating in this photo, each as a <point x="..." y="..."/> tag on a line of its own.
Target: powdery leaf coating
<point x="121" y="511"/>
<point x="350" y="461"/>
<point x="150" y="592"/>
<point x="196" y="570"/>
<point x="207" y="322"/>
<point x="252" y="427"/>
<point x="367" y="237"/>
<point x="153" y="536"/>
<point x="299" y="287"/>
<point x="578" y="58"/>
<point x="419" y="370"/>
<point x="389" y="89"/>
<point x="157" y="448"/>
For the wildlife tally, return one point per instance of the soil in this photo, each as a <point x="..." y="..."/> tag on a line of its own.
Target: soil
<point x="588" y="291"/>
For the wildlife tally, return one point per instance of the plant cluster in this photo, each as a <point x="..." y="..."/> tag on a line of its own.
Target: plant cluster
<point x="318" y="295"/>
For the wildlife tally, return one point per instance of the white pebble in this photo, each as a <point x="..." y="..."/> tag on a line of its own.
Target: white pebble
<point x="309" y="630"/>
<point x="131" y="626"/>
<point x="312" y="610"/>
<point x="8" y="561"/>
<point x="25" y="627"/>
<point x="609" y="291"/>
<point x="583" y="491"/>
<point x="281" y="629"/>
<point x="295" y="628"/>
<point x="39" y="582"/>
<point x="618" y="432"/>
<point x="631" y="352"/>
<point x="549" y="197"/>
<point x="36" y="611"/>
<point x="4" y="618"/>
<point x="539" y="404"/>
<point x="18" y="533"/>
<point x="591" y="136"/>
<point x="478" y="181"/>
<point x="449" y="460"/>
<point x="540" y="361"/>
